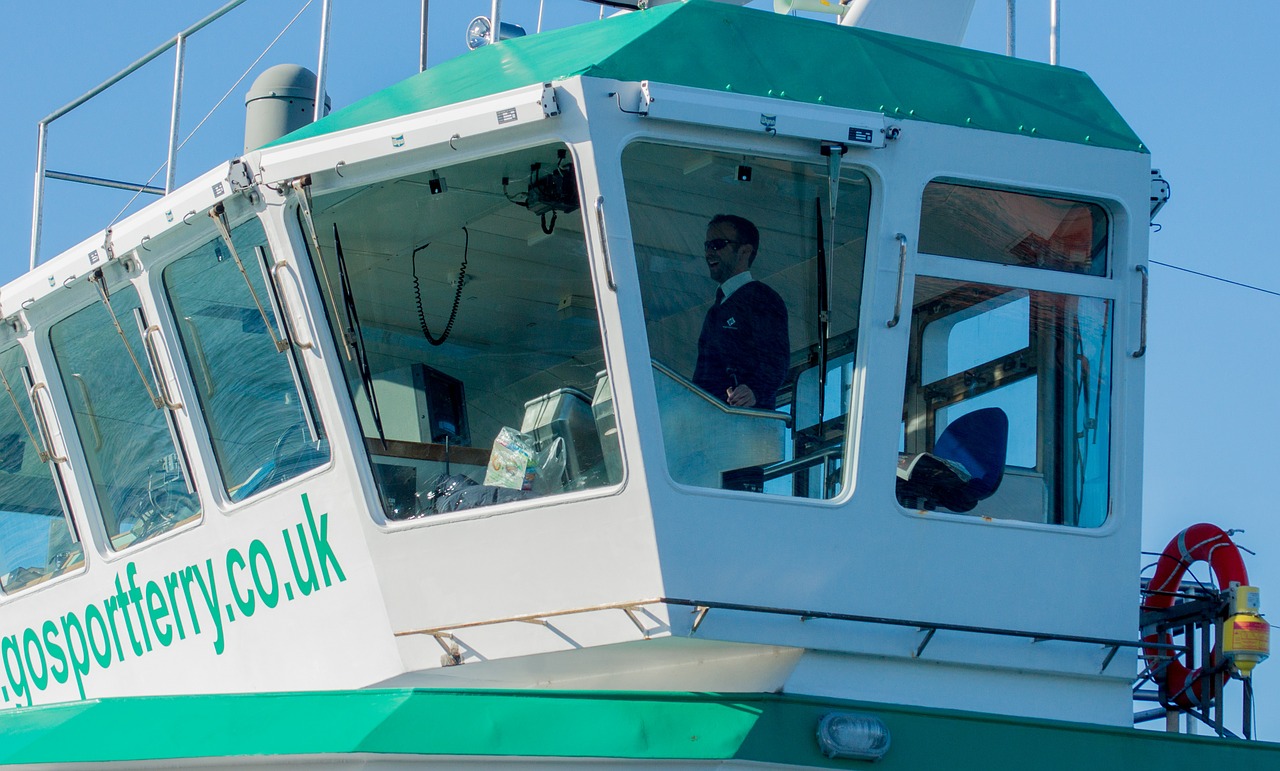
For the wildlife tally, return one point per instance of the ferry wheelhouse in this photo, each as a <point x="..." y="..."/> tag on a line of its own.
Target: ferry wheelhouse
<point x="393" y="419"/>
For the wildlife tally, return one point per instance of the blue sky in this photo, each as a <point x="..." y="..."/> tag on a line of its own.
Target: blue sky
<point x="1196" y="81"/>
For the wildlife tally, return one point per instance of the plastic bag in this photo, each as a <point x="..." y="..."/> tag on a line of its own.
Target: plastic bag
<point x="551" y="463"/>
<point x="513" y="461"/>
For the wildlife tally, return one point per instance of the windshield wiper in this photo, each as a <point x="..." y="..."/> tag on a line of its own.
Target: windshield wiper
<point x="356" y="336"/>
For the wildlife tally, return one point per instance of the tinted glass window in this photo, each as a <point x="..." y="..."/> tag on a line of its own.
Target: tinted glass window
<point x="136" y="461"/>
<point x="462" y="302"/>
<point x="752" y="335"/>
<point x="1013" y="228"/>
<point x="255" y="398"/>
<point x="35" y="539"/>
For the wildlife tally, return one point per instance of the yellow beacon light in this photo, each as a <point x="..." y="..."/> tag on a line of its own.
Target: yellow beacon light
<point x="1246" y="636"/>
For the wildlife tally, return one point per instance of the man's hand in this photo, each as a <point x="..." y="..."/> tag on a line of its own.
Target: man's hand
<point x="740" y="396"/>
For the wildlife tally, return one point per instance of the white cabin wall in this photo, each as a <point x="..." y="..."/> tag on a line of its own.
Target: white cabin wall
<point x="595" y="547"/>
<point x="864" y="554"/>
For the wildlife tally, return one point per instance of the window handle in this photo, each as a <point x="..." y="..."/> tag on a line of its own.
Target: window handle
<point x="902" y="277"/>
<point x="1142" y="325"/>
<point x="604" y="245"/>
<point x="162" y="380"/>
<point x="42" y="422"/>
<point x="286" y="312"/>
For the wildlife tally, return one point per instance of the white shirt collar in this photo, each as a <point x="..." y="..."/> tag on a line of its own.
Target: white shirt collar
<point x="734" y="283"/>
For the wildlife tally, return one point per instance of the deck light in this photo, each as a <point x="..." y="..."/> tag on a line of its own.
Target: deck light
<point x="851" y="735"/>
<point x="478" y="31"/>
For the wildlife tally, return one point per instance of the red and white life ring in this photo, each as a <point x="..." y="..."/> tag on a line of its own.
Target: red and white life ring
<point x="1198" y="543"/>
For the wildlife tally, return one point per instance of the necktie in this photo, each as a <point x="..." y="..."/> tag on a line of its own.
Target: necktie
<point x="719" y="296"/>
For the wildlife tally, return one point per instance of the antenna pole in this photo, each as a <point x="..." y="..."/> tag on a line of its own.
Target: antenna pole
<point x="1011" y="33"/>
<point x="175" y="112"/>
<point x="1053" y="31"/>
<point x="322" y="69"/>
<point x="422" y="47"/>
<point x="37" y="209"/>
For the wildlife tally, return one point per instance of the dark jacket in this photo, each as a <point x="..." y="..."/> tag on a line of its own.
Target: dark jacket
<point x="744" y="340"/>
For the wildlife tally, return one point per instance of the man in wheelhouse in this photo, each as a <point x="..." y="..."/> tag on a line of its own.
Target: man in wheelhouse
<point x="744" y="347"/>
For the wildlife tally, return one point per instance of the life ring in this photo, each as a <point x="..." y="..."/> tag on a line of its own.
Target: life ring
<point x="1198" y="543"/>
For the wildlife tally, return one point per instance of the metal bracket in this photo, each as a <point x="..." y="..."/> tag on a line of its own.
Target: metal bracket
<point x="1111" y="654"/>
<point x="631" y="614"/>
<point x="928" y="636"/>
<point x="239" y="176"/>
<point x="646" y="97"/>
<point x="452" y="653"/>
<point x="700" y="613"/>
<point x="550" y="105"/>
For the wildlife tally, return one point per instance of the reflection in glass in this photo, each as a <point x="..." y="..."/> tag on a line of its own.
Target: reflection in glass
<point x="256" y="399"/>
<point x="139" y="474"/>
<point x="463" y="303"/>
<point x="1043" y="362"/>
<point x="791" y="438"/>
<point x="36" y="542"/>
<point x="1013" y="228"/>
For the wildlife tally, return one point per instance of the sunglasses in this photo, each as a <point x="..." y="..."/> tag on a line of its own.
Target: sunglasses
<point x="716" y="244"/>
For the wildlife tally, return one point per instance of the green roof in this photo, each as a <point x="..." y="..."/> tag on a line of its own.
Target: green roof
<point x="740" y="50"/>
<point x="645" y="726"/>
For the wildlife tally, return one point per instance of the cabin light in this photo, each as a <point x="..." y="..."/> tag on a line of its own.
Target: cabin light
<point x="478" y="31"/>
<point x="851" y="735"/>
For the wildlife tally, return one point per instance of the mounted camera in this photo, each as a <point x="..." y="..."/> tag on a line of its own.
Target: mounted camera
<point x="549" y="193"/>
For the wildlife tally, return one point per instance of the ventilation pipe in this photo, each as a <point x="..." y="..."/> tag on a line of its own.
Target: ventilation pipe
<point x="281" y="100"/>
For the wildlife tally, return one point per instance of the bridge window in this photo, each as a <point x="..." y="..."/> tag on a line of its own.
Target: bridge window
<point x="754" y="392"/>
<point x="1007" y="406"/>
<point x="465" y="317"/>
<point x="256" y="398"/>
<point x="1013" y="228"/>
<point x="36" y="541"/>
<point x="137" y="464"/>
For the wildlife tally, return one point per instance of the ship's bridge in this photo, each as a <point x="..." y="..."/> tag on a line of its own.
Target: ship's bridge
<point x="473" y="320"/>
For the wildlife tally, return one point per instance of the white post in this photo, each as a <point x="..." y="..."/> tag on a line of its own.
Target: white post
<point x="495" y="21"/>
<point x="1053" y="31"/>
<point x="322" y="69"/>
<point x="175" y="111"/>
<point x="422" y="48"/>
<point x="1011" y="34"/>
<point x="37" y="208"/>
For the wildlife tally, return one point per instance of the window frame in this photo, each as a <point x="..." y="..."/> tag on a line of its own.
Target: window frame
<point x="1108" y="288"/>
<point x="801" y="153"/>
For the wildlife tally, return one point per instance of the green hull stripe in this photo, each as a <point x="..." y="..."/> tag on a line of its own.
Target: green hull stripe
<point x="725" y="48"/>
<point x="577" y="724"/>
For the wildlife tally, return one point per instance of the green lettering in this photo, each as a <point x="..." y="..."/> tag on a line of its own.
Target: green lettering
<point x="210" y="591"/>
<point x="171" y="583"/>
<point x="121" y="601"/>
<point x="12" y="657"/>
<point x="50" y="631"/>
<point x="189" y="574"/>
<point x="79" y="665"/>
<point x="258" y="554"/>
<point x="110" y="605"/>
<point x="104" y="658"/>
<point x="246" y="603"/>
<point x="157" y="610"/>
<point x="135" y="599"/>
<point x="320" y="537"/>
<point x="31" y="641"/>
<point x="312" y="581"/>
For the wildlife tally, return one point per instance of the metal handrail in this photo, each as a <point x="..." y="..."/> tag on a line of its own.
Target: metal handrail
<point x="42" y="128"/>
<point x="702" y="607"/>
